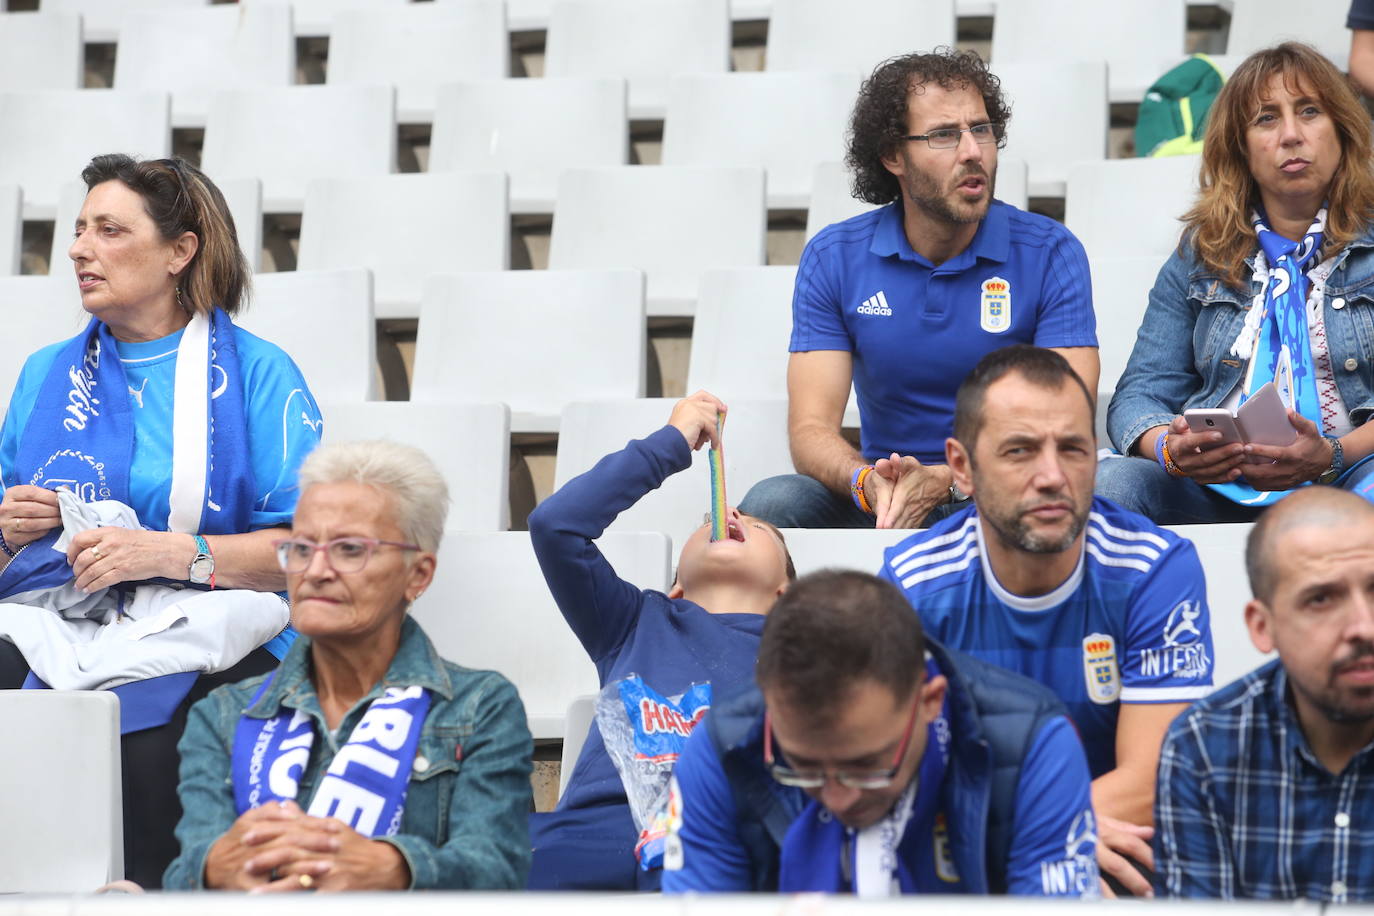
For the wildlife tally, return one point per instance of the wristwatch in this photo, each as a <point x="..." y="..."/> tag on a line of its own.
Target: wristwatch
<point x="202" y="569"/>
<point x="1337" y="461"/>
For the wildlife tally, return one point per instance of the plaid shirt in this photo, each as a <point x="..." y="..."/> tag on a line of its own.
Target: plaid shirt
<point x="1245" y="809"/>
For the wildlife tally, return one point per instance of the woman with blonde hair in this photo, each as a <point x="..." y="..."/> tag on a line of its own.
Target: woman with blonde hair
<point x="1273" y="281"/>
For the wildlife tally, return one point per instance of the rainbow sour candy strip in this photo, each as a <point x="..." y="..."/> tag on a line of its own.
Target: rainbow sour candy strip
<point x="719" y="523"/>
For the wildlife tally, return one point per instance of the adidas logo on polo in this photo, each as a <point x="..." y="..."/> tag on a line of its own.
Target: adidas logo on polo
<point x="875" y="304"/>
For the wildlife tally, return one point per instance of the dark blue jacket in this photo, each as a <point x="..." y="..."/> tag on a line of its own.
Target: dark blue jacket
<point x="996" y="717"/>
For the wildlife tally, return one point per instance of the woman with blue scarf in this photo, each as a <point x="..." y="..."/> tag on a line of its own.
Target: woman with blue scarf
<point x="148" y="464"/>
<point x="1273" y="281"/>
<point x="365" y="761"/>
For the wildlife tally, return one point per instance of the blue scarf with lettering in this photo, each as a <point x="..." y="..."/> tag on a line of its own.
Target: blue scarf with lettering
<point x="819" y="853"/>
<point x="365" y="785"/>
<point x="81" y="436"/>
<point x="1276" y="332"/>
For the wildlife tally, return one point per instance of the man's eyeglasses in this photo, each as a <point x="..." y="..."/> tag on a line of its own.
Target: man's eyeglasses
<point x="815" y="779"/>
<point x="949" y="137"/>
<point x="344" y="555"/>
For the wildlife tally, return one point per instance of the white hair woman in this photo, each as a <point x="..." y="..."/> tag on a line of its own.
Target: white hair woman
<point x="365" y="761"/>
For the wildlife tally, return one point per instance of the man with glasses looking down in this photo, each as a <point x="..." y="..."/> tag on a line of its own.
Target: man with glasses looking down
<point x="902" y="301"/>
<point x="870" y="760"/>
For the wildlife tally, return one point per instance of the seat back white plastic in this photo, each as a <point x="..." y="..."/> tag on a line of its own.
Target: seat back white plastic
<point x="195" y="52"/>
<point x="535" y="339"/>
<point x="814" y="549"/>
<point x="468" y="441"/>
<point x="1140" y="39"/>
<point x="74" y="126"/>
<point x="323" y="320"/>
<point x="242" y="195"/>
<point x="532" y="129"/>
<point x="787" y="123"/>
<point x="315" y="18"/>
<point x="35" y="311"/>
<point x="646" y="43"/>
<point x="404" y="228"/>
<point x="11" y="227"/>
<point x="417" y="47"/>
<point x="287" y="137"/>
<point x="1060" y="118"/>
<point x="1257" y="24"/>
<point x="670" y="222"/>
<point x="831" y="199"/>
<point x="63" y="811"/>
<point x="102" y="19"/>
<point x="489" y="608"/>
<point x="1222" y="551"/>
<point x="755" y="447"/>
<point x="825" y="35"/>
<point x="1130" y="207"/>
<point x="741" y="332"/>
<point x="40" y="50"/>
<point x="1121" y="291"/>
<point x="580" y="718"/>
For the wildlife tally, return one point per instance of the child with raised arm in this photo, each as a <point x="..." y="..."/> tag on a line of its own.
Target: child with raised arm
<point x="705" y="629"/>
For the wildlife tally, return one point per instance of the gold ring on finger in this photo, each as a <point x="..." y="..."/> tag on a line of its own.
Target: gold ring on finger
<point x="95" y="551"/>
<point x="306" y="881"/>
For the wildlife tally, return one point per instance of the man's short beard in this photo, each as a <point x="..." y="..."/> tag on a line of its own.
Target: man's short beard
<point x="1018" y="535"/>
<point x="924" y="193"/>
<point x="1328" y="702"/>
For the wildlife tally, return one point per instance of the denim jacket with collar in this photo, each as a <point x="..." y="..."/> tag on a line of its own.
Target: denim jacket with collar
<point x="1182" y="357"/>
<point x="465" y="820"/>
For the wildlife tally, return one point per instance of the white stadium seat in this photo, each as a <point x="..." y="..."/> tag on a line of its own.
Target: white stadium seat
<point x="831" y="201"/>
<point x="833" y="35"/>
<point x="64" y="812"/>
<point x="1140" y="39"/>
<point x="1121" y="291"/>
<point x="786" y="123"/>
<point x="243" y="195"/>
<point x="647" y="43"/>
<point x="195" y="52"/>
<point x="1257" y="24"/>
<point x="815" y="549"/>
<point x="741" y="331"/>
<point x="535" y="339"/>
<point x="406" y="227"/>
<point x="290" y="136"/>
<point x="755" y="447"/>
<point x="468" y="441"/>
<point x="580" y="716"/>
<point x="315" y="18"/>
<point x="490" y="609"/>
<point x="1222" y="551"/>
<point x="35" y="312"/>
<point x="74" y="126"/>
<point x="418" y="47"/>
<point x="1129" y="207"/>
<point x="1059" y="116"/>
<point x="323" y="320"/>
<point x="532" y="129"/>
<point x="40" y="51"/>
<point x="670" y="222"/>
<point x="101" y="19"/>
<point x="11" y="228"/>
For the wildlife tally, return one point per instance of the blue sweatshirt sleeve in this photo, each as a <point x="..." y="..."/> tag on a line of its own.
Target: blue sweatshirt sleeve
<point x="600" y="607"/>
<point x="710" y="855"/>
<point x="1054" y="838"/>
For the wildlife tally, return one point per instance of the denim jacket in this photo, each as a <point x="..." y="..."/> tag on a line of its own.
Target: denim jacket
<point x="1182" y="357"/>
<point x="465" y="813"/>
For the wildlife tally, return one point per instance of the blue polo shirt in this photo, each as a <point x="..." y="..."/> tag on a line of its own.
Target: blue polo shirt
<point x="916" y="330"/>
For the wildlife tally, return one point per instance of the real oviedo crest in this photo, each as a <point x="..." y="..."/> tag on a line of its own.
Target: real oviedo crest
<point x="996" y="305"/>
<point x="1100" y="668"/>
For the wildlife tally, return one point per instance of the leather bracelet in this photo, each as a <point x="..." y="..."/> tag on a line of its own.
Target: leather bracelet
<point x="856" y="488"/>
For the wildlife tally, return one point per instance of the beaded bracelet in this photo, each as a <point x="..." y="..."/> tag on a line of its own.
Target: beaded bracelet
<point x="856" y="488"/>
<point x="5" y="546"/>
<point x="1166" y="460"/>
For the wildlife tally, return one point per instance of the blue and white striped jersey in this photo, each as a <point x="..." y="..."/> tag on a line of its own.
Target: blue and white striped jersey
<point x="1130" y="624"/>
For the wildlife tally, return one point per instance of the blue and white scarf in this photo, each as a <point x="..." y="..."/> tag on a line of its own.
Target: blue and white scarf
<point x="365" y="785"/>
<point x="81" y="436"/>
<point x="821" y="854"/>
<point x="1274" y="338"/>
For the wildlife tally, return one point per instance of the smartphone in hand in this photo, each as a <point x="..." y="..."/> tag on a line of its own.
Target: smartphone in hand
<point x="1262" y="419"/>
